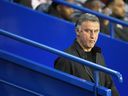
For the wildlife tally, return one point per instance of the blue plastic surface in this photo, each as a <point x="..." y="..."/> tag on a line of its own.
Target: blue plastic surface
<point x="62" y="54"/>
<point x="19" y="76"/>
<point x="55" y="33"/>
<point x="35" y="28"/>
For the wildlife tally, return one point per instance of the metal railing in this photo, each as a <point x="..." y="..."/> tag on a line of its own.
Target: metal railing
<point x="66" y="55"/>
<point x="83" y="9"/>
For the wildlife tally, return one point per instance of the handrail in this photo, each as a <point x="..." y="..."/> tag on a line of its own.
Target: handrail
<point x="92" y="12"/>
<point x="63" y="54"/>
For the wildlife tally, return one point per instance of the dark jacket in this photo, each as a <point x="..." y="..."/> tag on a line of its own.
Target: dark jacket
<point x="82" y="71"/>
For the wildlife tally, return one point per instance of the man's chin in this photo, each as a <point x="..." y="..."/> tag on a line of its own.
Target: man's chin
<point x="91" y="46"/>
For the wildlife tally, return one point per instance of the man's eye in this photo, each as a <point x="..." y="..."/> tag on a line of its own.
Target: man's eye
<point x="87" y="30"/>
<point x="96" y="31"/>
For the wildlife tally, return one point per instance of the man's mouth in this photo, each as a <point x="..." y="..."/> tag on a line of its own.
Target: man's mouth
<point x="92" y="41"/>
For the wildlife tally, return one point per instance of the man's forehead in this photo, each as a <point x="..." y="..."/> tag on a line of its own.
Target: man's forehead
<point x="86" y="22"/>
<point x="90" y="24"/>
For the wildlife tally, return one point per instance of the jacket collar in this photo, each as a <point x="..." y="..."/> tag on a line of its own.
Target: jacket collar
<point x="81" y="52"/>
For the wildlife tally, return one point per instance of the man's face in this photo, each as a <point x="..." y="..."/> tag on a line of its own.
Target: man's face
<point x="87" y="34"/>
<point x="118" y="8"/>
<point x="66" y="11"/>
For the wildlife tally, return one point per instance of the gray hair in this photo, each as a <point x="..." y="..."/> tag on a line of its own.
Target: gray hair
<point x="86" y="17"/>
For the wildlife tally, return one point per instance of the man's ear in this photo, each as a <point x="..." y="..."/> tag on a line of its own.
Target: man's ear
<point x="77" y="31"/>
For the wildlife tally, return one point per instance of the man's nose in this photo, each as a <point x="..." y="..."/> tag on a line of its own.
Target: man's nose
<point x="92" y="34"/>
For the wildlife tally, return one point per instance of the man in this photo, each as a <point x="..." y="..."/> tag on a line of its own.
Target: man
<point x="117" y="8"/>
<point x="61" y="11"/>
<point x="95" y="5"/>
<point x="87" y="31"/>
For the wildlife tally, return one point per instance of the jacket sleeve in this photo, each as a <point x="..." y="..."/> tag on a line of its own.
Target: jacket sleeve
<point x="110" y="84"/>
<point x="108" y="80"/>
<point x="63" y="64"/>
